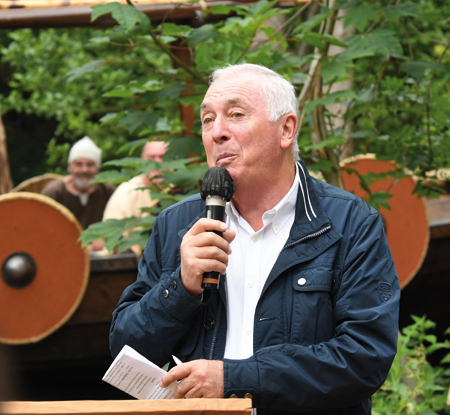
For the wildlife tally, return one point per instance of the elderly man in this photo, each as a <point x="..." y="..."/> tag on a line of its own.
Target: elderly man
<point x="305" y="317"/>
<point x="75" y="191"/>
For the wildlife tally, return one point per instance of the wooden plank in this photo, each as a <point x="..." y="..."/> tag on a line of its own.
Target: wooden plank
<point x="33" y="4"/>
<point x="80" y="15"/>
<point x="132" y="407"/>
<point x="15" y="4"/>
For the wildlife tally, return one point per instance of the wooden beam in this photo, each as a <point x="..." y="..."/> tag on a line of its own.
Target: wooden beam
<point x="5" y="174"/>
<point x="132" y="407"/>
<point x="16" y="14"/>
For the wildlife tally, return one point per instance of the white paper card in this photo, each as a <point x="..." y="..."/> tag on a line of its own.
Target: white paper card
<point x="137" y="376"/>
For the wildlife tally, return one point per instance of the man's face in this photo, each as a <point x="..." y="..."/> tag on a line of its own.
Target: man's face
<point x="83" y="171"/>
<point x="154" y="150"/>
<point x="236" y="132"/>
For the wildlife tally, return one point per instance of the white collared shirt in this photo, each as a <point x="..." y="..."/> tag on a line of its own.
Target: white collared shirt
<point x="252" y="258"/>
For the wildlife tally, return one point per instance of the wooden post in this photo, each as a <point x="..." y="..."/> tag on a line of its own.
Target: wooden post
<point x="5" y="175"/>
<point x="132" y="407"/>
<point x="187" y="112"/>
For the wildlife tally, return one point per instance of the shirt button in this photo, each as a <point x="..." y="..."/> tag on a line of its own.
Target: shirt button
<point x="173" y="284"/>
<point x="251" y="284"/>
<point x="301" y="281"/>
<point x="255" y="239"/>
<point x="276" y="227"/>
<point x="248" y="331"/>
<point x="248" y="396"/>
<point x="165" y="293"/>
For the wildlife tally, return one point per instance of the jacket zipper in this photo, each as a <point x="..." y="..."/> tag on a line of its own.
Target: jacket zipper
<point x="312" y="235"/>
<point x="219" y="312"/>
<point x="216" y="332"/>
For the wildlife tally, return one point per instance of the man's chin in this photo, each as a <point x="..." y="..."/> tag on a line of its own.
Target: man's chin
<point x="82" y="183"/>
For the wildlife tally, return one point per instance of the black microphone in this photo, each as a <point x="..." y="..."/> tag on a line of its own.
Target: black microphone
<point x="217" y="189"/>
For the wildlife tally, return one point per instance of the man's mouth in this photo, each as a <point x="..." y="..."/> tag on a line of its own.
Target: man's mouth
<point x="224" y="157"/>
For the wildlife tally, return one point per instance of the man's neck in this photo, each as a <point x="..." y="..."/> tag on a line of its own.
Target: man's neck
<point x="253" y="201"/>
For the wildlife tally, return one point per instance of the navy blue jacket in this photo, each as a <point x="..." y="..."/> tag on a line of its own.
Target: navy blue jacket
<point x="325" y="326"/>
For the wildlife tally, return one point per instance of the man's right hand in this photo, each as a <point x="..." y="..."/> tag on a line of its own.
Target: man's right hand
<point x="204" y="251"/>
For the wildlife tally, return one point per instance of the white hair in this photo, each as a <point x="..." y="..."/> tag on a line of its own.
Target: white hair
<point x="277" y="93"/>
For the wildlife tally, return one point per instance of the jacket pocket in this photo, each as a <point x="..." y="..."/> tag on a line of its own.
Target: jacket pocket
<point x="312" y="314"/>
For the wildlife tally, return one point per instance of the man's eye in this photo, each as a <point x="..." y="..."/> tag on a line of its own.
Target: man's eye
<point x="207" y="120"/>
<point x="238" y="115"/>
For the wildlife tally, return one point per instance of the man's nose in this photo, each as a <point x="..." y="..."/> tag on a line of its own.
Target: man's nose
<point x="220" y="130"/>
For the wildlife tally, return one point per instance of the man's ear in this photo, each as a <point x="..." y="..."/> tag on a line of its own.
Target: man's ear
<point x="289" y="127"/>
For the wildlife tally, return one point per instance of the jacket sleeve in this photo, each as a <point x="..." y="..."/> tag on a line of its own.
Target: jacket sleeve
<point x="352" y="365"/>
<point x="156" y="312"/>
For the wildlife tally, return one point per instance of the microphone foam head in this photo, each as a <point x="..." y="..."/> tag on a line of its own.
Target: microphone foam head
<point x="217" y="182"/>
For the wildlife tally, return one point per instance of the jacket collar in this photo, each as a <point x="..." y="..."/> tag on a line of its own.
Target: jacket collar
<point x="310" y="216"/>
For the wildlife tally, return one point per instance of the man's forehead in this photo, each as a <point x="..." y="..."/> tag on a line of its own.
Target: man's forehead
<point x="230" y="101"/>
<point x="80" y="160"/>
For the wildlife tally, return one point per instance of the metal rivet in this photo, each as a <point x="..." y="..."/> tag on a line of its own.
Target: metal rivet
<point x="301" y="281"/>
<point x="165" y="293"/>
<point x="233" y="396"/>
<point x="248" y="396"/>
<point x="173" y="284"/>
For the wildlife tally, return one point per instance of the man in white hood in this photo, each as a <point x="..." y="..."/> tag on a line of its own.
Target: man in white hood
<point x="86" y="200"/>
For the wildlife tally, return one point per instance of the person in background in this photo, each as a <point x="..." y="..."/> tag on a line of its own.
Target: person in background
<point x="86" y="200"/>
<point x="129" y="198"/>
<point x="305" y="318"/>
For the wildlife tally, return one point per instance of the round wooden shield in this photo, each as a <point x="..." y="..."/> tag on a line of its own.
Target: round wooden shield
<point x="406" y="224"/>
<point x="44" y="269"/>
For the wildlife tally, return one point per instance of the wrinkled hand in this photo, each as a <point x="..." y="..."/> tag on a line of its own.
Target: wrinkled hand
<point x="204" y="251"/>
<point x="199" y="379"/>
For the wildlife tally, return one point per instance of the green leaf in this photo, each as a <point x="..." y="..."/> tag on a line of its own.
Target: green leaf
<point x="202" y="34"/>
<point x="299" y="78"/>
<point x="329" y="142"/>
<point x="102" y="9"/>
<point x="359" y="16"/>
<point x="135" y="238"/>
<point x="112" y="176"/>
<point x="335" y="70"/>
<point x="119" y="92"/>
<point x="417" y="69"/>
<point x="320" y="41"/>
<point x="329" y="99"/>
<point x="173" y="91"/>
<point x="90" y="67"/>
<point x="185" y="177"/>
<point x="125" y="162"/>
<point x="127" y="16"/>
<point x="321" y="165"/>
<point x="379" y="199"/>
<point x="403" y="9"/>
<point x="172" y="29"/>
<point x="260" y="7"/>
<point x="110" y="117"/>
<point x="111" y="230"/>
<point x="378" y="42"/>
<point x="313" y="21"/>
<point x="135" y="119"/>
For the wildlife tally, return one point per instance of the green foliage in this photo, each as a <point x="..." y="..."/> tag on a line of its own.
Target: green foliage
<point x="62" y="74"/>
<point x="127" y="84"/>
<point x="413" y="386"/>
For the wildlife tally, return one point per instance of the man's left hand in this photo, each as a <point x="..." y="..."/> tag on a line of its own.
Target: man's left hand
<point x="199" y="379"/>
